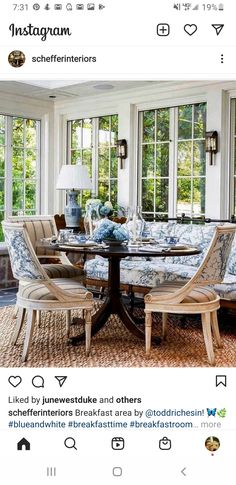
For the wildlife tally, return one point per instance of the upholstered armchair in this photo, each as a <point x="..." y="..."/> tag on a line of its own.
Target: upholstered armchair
<point x="196" y="296"/>
<point x="37" y="291"/>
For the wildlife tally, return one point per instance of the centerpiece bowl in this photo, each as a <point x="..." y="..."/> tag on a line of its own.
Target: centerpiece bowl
<point x="113" y="242"/>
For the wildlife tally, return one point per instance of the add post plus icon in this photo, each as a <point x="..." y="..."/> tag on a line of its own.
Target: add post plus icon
<point x="118" y="443"/>
<point x="163" y="30"/>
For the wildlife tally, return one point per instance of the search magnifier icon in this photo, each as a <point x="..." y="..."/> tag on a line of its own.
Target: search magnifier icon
<point x="70" y="443"/>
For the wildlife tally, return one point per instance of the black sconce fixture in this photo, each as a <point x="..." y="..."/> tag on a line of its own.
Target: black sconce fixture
<point x="211" y="144"/>
<point x="121" y="151"/>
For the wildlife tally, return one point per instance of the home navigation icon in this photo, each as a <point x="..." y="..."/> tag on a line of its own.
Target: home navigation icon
<point x="23" y="444"/>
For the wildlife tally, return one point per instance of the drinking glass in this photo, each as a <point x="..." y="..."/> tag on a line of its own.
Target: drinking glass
<point x="135" y="224"/>
<point x="64" y="235"/>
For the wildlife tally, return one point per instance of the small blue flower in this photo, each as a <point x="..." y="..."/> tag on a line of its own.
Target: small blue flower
<point x="105" y="211"/>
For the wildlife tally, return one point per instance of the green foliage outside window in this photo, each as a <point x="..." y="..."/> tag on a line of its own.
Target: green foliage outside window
<point x="107" y="159"/>
<point x="155" y="160"/>
<point x="103" y="133"/>
<point x="24" y="159"/>
<point x="189" y="168"/>
<point x="24" y="149"/>
<point x="191" y="163"/>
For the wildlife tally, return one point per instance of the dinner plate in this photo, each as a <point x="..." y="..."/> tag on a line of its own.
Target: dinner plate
<point x="176" y="247"/>
<point x="154" y="249"/>
<point x="79" y="244"/>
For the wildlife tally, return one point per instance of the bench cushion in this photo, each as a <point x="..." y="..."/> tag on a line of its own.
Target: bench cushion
<point x="227" y="289"/>
<point x="190" y="234"/>
<point x="140" y="273"/>
<point x="150" y="272"/>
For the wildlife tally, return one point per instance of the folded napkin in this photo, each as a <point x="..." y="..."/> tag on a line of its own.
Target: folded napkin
<point x="153" y="249"/>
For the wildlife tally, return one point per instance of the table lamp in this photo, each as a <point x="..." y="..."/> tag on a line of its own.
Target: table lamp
<point x="73" y="178"/>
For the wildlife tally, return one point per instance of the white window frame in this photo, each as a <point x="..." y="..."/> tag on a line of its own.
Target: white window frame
<point x="173" y="105"/>
<point x="8" y="163"/>
<point x="95" y="150"/>
<point x="232" y="175"/>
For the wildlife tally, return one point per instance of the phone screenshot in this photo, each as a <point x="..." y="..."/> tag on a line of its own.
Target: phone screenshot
<point x="117" y="242"/>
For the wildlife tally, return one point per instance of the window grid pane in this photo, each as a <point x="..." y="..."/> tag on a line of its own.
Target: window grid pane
<point x="2" y="171"/>
<point x="19" y="182"/>
<point x="233" y="168"/>
<point x="25" y="154"/>
<point x="187" y="161"/>
<point x="191" y="160"/>
<point x="107" y="158"/>
<point x="155" y="161"/>
<point x="93" y="143"/>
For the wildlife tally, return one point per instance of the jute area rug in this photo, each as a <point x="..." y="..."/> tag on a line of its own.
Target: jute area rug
<point x="113" y="346"/>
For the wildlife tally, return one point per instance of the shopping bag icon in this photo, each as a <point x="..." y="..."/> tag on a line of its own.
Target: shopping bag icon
<point x="165" y="443"/>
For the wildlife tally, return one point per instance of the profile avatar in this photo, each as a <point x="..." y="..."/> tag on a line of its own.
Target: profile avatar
<point x="16" y="58"/>
<point x="212" y="443"/>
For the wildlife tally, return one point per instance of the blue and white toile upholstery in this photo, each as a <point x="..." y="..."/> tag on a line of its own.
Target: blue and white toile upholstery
<point x="149" y="272"/>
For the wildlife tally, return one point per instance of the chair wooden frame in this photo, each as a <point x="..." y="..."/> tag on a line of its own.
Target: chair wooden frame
<point x="63" y="301"/>
<point x="43" y="218"/>
<point x="173" y="302"/>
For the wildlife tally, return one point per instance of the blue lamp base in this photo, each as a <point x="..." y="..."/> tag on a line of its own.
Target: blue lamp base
<point x="72" y="210"/>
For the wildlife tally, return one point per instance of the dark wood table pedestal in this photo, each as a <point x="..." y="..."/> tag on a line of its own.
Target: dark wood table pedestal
<point x="113" y="305"/>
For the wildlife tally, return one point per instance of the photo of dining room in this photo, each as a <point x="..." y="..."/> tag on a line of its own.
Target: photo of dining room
<point x="117" y="223"/>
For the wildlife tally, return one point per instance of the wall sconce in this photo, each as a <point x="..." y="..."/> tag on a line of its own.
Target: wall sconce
<point x="211" y="144"/>
<point x="121" y="151"/>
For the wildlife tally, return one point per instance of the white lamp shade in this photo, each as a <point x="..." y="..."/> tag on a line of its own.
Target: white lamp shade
<point x="74" y="177"/>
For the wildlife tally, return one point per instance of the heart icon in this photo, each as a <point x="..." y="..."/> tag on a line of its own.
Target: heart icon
<point x="14" y="380"/>
<point x="190" y="29"/>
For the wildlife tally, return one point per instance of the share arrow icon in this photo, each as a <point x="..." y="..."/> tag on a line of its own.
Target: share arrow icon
<point x="61" y="380"/>
<point x="218" y="28"/>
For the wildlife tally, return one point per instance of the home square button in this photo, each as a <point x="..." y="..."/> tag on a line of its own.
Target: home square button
<point x="117" y="471"/>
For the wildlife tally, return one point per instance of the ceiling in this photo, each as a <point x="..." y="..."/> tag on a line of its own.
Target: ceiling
<point x="62" y="90"/>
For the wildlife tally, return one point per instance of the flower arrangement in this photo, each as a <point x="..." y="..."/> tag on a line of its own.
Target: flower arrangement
<point x="104" y="210"/>
<point x="111" y="231"/>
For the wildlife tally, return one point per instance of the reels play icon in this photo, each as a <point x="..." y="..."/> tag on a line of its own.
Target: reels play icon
<point x="118" y="443"/>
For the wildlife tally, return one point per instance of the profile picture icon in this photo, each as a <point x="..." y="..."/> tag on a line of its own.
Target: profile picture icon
<point x="212" y="443"/>
<point x="16" y="58"/>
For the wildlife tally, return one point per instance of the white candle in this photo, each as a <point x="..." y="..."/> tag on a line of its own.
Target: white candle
<point x="135" y="227"/>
